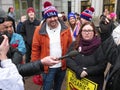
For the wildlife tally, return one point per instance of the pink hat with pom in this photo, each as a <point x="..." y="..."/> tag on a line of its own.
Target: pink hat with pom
<point x="49" y="10"/>
<point x="112" y="15"/>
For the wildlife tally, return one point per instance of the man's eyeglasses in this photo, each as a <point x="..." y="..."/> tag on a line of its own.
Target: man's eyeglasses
<point x="2" y="20"/>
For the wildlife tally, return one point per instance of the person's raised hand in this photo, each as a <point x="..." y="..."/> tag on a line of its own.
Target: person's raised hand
<point x="4" y="47"/>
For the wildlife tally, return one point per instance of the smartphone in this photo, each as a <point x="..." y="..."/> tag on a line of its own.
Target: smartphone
<point x="1" y="39"/>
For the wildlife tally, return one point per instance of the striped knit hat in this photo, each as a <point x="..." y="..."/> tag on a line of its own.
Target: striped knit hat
<point x="49" y="10"/>
<point x="87" y="14"/>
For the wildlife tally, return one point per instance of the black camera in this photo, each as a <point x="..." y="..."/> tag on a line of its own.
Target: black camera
<point x="1" y="38"/>
<point x="2" y="20"/>
<point x="5" y="33"/>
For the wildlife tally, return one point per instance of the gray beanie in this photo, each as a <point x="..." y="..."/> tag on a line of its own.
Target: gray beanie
<point x="2" y="13"/>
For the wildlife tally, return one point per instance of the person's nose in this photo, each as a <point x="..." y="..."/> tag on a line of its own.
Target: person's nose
<point x="86" y="32"/>
<point x="52" y="18"/>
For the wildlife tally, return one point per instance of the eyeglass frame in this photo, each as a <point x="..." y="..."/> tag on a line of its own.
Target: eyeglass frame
<point x="89" y="31"/>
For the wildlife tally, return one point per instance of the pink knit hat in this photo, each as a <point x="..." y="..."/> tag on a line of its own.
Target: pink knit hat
<point x="112" y="15"/>
<point x="30" y="9"/>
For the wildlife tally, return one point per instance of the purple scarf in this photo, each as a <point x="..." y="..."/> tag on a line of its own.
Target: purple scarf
<point x="89" y="46"/>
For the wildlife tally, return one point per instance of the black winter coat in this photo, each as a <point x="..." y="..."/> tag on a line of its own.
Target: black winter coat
<point x="96" y="62"/>
<point x="113" y="77"/>
<point x="28" y="29"/>
<point x="111" y="50"/>
<point x="30" y="68"/>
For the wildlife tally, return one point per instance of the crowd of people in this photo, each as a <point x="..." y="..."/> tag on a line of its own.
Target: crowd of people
<point x="33" y="47"/>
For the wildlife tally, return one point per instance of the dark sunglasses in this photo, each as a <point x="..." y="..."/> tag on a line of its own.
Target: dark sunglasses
<point x="2" y="20"/>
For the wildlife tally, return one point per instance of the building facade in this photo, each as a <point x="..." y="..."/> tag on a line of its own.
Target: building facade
<point x="62" y="5"/>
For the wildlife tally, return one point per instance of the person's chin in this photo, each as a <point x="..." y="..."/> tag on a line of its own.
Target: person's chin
<point x="87" y="38"/>
<point x="31" y="16"/>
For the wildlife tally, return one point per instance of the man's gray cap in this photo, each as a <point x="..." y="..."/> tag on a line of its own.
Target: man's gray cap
<point x="2" y="13"/>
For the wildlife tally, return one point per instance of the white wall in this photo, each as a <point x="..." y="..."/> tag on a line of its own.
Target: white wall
<point x="6" y="4"/>
<point x="64" y="6"/>
<point x="98" y="5"/>
<point x="77" y="6"/>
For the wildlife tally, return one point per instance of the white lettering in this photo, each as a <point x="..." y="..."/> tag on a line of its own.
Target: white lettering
<point x="51" y="14"/>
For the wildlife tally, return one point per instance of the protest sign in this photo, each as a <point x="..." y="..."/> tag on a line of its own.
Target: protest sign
<point x="79" y="84"/>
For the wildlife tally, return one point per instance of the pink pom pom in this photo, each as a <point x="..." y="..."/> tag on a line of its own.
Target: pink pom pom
<point x="47" y="3"/>
<point x="92" y="9"/>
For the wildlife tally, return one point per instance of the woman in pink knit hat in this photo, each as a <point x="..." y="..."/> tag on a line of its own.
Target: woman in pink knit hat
<point x="113" y="17"/>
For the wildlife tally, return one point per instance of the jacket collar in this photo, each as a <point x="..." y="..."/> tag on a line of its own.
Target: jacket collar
<point x="43" y="27"/>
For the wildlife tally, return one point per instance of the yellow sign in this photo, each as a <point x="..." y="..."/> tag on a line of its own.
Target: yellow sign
<point x="79" y="84"/>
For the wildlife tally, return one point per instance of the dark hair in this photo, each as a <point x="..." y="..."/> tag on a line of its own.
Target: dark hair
<point x="2" y="20"/>
<point x="8" y="18"/>
<point x="62" y="12"/>
<point x="9" y="9"/>
<point x="78" y="38"/>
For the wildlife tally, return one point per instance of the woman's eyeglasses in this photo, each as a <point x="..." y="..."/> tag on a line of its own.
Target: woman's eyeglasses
<point x="89" y="31"/>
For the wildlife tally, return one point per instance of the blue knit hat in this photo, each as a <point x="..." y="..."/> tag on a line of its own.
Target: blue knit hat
<point x="71" y="15"/>
<point x="87" y="14"/>
<point x="49" y="10"/>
